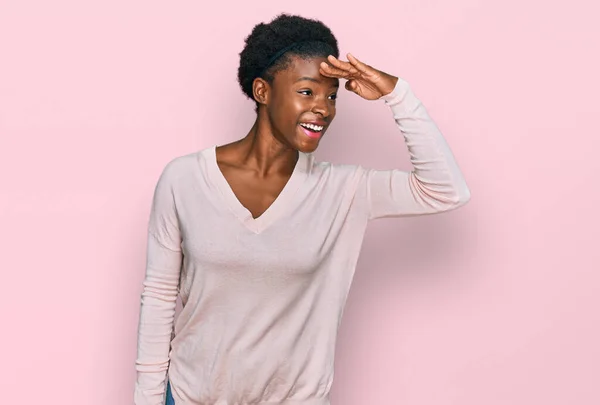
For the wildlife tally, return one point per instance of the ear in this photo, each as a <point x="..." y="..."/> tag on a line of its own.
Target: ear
<point x="261" y="90"/>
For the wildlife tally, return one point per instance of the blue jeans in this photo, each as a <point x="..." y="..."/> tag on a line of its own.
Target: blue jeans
<point x="170" y="400"/>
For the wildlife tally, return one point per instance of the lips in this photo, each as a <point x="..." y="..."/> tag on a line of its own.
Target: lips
<point x="311" y="134"/>
<point x="319" y="123"/>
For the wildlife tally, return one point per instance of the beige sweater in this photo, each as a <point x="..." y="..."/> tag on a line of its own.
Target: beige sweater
<point x="263" y="298"/>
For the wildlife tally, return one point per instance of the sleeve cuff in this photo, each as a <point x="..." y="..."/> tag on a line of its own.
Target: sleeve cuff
<point x="396" y="95"/>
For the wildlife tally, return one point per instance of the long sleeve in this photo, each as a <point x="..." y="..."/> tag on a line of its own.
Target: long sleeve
<point x="160" y="289"/>
<point x="435" y="184"/>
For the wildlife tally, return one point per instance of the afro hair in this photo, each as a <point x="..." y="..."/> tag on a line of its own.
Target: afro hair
<point x="299" y="36"/>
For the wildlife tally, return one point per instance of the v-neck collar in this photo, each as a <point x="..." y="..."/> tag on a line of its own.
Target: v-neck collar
<point x="282" y="203"/>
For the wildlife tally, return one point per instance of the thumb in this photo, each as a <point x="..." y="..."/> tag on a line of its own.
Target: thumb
<point x="350" y="85"/>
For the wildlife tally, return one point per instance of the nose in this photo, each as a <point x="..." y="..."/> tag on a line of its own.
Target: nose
<point x="321" y="106"/>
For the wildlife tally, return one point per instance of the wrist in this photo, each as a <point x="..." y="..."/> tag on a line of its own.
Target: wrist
<point x="398" y="93"/>
<point x="390" y="85"/>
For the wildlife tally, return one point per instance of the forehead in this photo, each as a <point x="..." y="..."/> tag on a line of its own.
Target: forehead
<point x="305" y="68"/>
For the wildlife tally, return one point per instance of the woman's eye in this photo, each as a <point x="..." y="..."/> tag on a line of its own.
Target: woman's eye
<point x="309" y="92"/>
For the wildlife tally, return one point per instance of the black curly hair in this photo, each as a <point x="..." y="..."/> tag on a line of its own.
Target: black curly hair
<point x="269" y="47"/>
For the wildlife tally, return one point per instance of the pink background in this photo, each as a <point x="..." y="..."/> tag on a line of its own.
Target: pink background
<point x="496" y="303"/>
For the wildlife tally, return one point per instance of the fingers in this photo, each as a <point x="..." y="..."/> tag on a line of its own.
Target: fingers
<point x="333" y="71"/>
<point x="342" y="65"/>
<point x="339" y="68"/>
<point x="361" y="67"/>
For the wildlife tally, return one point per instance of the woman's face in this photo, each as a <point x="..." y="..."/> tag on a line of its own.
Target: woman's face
<point x="301" y="104"/>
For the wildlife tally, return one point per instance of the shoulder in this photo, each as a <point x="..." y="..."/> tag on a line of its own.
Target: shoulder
<point x="183" y="165"/>
<point x="181" y="168"/>
<point x="340" y="174"/>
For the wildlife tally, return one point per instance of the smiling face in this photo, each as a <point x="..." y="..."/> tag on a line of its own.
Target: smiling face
<point x="300" y="104"/>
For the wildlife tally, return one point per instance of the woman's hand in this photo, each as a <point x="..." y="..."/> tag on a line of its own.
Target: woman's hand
<point x="362" y="79"/>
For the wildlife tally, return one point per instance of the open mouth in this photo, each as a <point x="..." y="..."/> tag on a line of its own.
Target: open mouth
<point x="312" y="130"/>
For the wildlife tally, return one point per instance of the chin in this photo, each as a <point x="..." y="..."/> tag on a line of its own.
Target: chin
<point x="307" y="147"/>
<point x="304" y="143"/>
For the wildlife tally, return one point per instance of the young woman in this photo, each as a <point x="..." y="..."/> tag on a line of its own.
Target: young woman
<point x="261" y="241"/>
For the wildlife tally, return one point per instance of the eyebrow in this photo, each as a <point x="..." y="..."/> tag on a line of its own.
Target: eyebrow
<point x="312" y="79"/>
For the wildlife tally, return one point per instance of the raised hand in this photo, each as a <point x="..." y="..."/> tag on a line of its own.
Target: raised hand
<point x="362" y="79"/>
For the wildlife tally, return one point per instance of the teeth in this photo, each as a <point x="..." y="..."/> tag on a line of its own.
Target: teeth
<point x="312" y="126"/>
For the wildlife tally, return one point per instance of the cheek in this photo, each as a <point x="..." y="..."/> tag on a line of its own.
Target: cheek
<point x="288" y="105"/>
<point x="297" y="105"/>
<point x="292" y="110"/>
<point x="284" y="115"/>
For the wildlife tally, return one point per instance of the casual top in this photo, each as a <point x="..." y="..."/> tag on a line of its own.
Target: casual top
<point x="263" y="298"/>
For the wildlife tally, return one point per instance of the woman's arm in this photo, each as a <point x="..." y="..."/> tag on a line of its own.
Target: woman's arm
<point x="435" y="184"/>
<point x="160" y="289"/>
